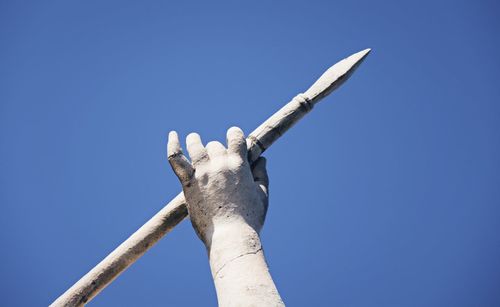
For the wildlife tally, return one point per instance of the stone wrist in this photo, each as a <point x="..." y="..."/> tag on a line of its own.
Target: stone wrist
<point x="230" y="242"/>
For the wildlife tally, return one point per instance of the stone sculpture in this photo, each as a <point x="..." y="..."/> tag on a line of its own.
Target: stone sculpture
<point x="159" y="225"/>
<point x="227" y="204"/>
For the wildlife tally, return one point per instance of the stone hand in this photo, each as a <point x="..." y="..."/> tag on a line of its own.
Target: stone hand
<point x="222" y="191"/>
<point x="227" y="203"/>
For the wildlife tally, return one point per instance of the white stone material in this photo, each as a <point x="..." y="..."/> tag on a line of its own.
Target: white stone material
<point x="125" y="254"/>
<point x="175" y="211"/>
<point x="227" y="205"/>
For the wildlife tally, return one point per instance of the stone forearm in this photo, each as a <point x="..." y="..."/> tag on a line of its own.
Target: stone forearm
<point x="239" y="268"/>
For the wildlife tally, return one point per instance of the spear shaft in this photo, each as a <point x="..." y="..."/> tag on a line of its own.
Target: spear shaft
<point x="175" y="211"/>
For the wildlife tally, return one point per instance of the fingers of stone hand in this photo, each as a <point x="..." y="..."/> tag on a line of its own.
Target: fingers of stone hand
<point x="260" y="173"/>
<point x="215" y="149"/>
<point x="236" y="142"/>
<point x="179" y="163"/>
<point x="195" y="148"/>
<point x="173" y="146"/>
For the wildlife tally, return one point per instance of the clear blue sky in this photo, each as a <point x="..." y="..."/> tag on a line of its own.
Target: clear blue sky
<point x="387" y="194"/>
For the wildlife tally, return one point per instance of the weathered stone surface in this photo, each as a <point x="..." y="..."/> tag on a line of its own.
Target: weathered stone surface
<point x="227" y="205"/>
<point x="159" y="225"/>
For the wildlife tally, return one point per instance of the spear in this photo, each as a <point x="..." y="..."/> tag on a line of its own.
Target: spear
<point x="175" y="211"/>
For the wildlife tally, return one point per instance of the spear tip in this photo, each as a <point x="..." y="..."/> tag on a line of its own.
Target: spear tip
<point x="335" y="76"/>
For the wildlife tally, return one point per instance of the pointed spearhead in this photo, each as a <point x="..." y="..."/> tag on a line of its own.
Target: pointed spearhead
<point x="335" y="76"/>
<point x="258" y="141"/>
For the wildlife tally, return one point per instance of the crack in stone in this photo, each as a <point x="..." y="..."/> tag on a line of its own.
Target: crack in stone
<point x="237" y="257"/>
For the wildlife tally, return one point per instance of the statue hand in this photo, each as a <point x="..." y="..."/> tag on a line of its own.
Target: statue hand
<point x="220" y="188"/>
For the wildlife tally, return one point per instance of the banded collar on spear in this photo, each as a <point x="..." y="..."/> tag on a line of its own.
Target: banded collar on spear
<point x="175" y="211"/>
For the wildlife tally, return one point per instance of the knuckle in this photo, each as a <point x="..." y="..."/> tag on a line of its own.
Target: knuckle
<point x="173" y="156"/>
